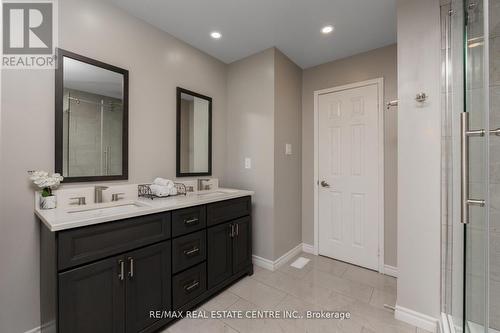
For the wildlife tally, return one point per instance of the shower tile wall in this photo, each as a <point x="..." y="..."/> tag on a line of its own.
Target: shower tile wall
<point x="494" y="27"/>
<point x="88" y="134"/>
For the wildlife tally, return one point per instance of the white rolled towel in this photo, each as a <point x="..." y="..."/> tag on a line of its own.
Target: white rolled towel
<point x="173" y="191"/>
<point x="159" y="190"/>
<point x="163" y="182"/>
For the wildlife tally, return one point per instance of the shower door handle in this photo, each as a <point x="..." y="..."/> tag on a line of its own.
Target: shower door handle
<point x="105" y="161"/>
<point x="466" y="133"/>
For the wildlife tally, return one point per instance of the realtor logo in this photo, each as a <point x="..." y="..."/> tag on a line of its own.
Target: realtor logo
<point x="28" y="34"/>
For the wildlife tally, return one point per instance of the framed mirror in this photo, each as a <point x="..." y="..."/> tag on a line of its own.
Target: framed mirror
<point x="91" y="132"/>
<point x="194" y="134"/>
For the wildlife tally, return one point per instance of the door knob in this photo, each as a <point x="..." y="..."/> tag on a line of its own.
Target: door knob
<point x="324" y="184"/>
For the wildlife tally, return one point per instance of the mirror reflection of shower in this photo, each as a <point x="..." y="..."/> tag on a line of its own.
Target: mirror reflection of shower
<point x="93" y="120"/>
<point x="92" y="134"/>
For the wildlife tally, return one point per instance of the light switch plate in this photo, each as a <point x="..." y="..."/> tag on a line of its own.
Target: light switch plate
<point x="288" y="149"/>
<point x="248" y="163"/>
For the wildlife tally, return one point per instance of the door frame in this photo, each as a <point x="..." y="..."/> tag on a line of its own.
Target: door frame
<point x="379" y="82"/>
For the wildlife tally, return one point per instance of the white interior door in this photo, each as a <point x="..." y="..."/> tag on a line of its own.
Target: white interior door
<point x="349" y="173"/>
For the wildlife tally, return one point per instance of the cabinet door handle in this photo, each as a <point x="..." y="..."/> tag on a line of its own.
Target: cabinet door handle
<point x="191" y="221"/>
<point x="131" y="264"/>
<point x="237" y="229"/>
<point x="121" y="275"/>
<point x="191" y="287"/>
<point x="231" y="230"/>
<point x="191" y="252"/>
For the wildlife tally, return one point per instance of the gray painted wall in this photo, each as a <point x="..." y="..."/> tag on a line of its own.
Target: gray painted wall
<point x="264" y="112"/>
<point x="157" y="63"/>
<point x="287" y="168"/>
<point x="419" y="157"/>
<point x="381" y="62"/>
<point x="250" y="133"/>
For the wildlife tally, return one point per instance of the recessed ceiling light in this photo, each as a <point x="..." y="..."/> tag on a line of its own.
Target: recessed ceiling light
<point x="216" y="35"/>
<point x="328" y="29"/>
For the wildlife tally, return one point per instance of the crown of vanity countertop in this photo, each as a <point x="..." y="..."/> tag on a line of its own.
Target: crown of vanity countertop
<point x="63" y="218"/>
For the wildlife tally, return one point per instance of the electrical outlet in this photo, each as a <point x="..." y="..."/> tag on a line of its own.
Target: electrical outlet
<point x="248" y="163"/>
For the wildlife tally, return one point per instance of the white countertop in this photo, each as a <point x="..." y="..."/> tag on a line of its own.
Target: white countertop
<point x="63" y="218"/>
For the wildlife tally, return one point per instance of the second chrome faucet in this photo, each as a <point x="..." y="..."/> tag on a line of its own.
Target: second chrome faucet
<point x="98" y="193"/>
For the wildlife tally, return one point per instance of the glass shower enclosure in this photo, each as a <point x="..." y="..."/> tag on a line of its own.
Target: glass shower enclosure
<point x="471" y="165"/>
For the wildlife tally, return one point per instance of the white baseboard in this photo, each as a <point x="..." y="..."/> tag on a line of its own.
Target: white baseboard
<point x="274" y="265"/>
<point x="417" y="319"/>
<point x="263" y="262"/>
<point x="308" y="248"/>
<point x="391" y="270"/>
<point x="287" y="256"/>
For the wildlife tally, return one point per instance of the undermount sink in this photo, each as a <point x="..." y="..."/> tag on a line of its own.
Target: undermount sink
<point x="108" y="209"/>
<point x="216" y="192"/>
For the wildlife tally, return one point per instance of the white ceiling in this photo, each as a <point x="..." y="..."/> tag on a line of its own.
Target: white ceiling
<point x="293" y="26"/>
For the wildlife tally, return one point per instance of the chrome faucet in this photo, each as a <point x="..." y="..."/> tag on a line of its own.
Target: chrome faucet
<point x="202" y="186"/>
<point x="98" y="193"/>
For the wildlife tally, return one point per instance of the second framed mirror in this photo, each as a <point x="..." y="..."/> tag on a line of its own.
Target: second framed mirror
<point x="194" y="134"/>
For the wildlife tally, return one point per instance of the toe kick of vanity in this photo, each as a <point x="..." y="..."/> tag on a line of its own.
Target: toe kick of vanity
<point x="115" y="276"/>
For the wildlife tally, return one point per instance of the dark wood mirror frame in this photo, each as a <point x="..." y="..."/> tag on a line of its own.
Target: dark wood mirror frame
<point x="178" y="144"/>
<point x="59" y="93"/>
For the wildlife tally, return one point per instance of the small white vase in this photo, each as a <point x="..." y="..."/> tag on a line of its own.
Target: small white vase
<point x="49" y="202"/>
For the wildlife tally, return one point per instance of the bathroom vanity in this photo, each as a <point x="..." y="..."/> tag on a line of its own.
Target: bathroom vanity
<point x="119" y="265"/>
<point x="100" y="273"/>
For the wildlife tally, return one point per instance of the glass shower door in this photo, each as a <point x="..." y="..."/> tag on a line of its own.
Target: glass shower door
<point x="474" y="130"/>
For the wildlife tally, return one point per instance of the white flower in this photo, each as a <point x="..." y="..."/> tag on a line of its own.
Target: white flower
<point x="42" y="179"/>
<point x="35" y="175"/>
<point x="57" y="177"/>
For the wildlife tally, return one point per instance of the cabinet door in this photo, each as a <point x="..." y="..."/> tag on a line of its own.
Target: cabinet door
<point x="91" y="298"/>
<point x="242" y="244"/>
<point x="148" y="285"/>
<point x="219" y="256"/>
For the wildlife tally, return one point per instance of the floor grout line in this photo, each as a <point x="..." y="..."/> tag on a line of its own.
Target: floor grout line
<point x="223" y="322"/>
<point x="371" y="296"/>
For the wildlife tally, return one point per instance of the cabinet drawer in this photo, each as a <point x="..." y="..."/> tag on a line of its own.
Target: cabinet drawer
<point x="188" y="285"/>
<point x="188" y="250"/>
<point x="188" y="220"/>
<point x="82" y="245"/>
<point x="228" y="210"/>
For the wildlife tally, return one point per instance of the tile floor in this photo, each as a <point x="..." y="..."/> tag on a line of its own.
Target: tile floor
<point x="323" y="284"/>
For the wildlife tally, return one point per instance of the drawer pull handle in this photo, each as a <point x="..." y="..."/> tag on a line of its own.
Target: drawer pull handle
<point x="191" y="287"/>
<point x="121" y="275"/>
<point x="191" y="252"/>
<point x="191" y="221"/>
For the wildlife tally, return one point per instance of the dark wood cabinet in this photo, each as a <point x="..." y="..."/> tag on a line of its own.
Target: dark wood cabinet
<point x="229" y="250"/>
<point x="242" y="244"/>
<point x="188" y="220"/>
<point x="148" y="282"/>
<point x="189" y="284"/>
<point x="91" y="298"/>
<point x="188" y="251"/>
<point x="227" y="210"/>
<point x="81" y="245"/>
<point x="108" y="278"/>
<point x="220" y="253"/>
<point x="116" y="295"/>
